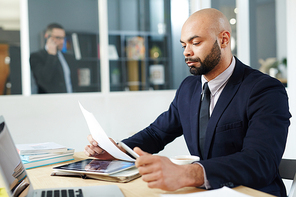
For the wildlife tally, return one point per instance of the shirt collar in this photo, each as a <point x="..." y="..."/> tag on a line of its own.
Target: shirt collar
<point x="220" y="80"/>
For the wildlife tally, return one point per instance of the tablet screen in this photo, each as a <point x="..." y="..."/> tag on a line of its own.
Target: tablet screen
<point x="95" y="166"/>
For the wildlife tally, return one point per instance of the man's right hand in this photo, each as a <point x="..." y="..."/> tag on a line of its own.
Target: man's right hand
<point x="52" y="47"/>
<point x="93" y="150"/>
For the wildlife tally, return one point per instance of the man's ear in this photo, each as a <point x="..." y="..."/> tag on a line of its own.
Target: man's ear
<point x="225" y="39"/>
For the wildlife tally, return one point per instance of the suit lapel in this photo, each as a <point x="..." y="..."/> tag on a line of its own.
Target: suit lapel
<point x="194" y="111"/>
<point x="225" y="98"/>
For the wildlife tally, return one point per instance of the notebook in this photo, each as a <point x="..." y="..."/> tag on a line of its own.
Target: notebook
<point x="15" y="181"/>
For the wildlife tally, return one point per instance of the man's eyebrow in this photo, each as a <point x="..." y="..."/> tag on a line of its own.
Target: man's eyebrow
<point x="190" y="39"/>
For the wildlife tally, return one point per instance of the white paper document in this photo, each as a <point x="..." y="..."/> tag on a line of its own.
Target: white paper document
<point x="101" y="137"/>
<point x="222" y="192"/>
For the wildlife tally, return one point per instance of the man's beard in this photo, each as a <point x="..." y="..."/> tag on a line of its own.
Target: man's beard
<point x="210" y="62"/>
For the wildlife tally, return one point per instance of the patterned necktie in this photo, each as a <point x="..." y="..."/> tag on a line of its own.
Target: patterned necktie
<point x="204" y="116"/>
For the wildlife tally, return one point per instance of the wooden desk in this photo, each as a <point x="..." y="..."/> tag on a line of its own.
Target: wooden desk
<point x="40" y="178"/>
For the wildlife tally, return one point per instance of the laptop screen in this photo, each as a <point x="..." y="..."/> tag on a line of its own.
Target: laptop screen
<point x="13" y="171"/>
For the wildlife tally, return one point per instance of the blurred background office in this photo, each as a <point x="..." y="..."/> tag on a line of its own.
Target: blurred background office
<point x="142" y="50"/>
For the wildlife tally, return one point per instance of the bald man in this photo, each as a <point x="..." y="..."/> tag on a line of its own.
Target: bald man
<point x="246" y="132"/>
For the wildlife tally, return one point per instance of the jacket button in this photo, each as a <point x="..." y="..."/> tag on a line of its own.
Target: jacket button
<point x="228" y="184"/>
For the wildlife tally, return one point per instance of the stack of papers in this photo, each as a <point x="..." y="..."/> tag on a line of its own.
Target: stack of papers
<point x="41" y="154"/>
<point x="222" y="192"/>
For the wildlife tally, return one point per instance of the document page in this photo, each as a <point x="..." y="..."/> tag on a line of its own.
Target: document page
<point x="101" y="137"/>
<point x="222" y="192"/>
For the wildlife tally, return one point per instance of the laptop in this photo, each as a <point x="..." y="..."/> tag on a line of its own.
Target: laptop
<point x="15" y="182"/>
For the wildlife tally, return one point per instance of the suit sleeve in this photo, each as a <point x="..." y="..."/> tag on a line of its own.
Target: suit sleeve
<point x="256" y="165"/>
<point x="44" y="67"/>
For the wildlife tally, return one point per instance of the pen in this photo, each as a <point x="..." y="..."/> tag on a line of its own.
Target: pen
<point x="128" y="149"/>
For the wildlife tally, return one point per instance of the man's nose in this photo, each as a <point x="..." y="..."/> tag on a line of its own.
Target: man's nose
<point x="188" y="51"/>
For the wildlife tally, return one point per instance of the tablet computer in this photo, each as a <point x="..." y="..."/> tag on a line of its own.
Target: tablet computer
<point x="95" y="166"/>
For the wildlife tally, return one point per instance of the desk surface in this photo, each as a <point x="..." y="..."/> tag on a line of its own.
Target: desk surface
<point x="40" y="178"/>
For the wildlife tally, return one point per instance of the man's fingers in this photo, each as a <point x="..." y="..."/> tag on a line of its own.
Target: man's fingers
<point x="93" y="150"/>
<point x="145" y="158"/>
<point x="149" y="177"/>
<point x="91" y="140"/>
<point x="140" y="152"/>
<point x="97" y="149"/>
<point x="144" y="168"/>
<point x="112" y="141"/>
<point x="86" y="153"/>
<point x="154" y="180"/>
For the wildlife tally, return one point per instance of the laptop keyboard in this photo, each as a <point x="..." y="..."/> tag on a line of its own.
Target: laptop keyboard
<point x="62" y="193"/>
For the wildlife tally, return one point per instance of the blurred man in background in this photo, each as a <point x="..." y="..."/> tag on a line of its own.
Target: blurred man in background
<point x="53" y="71"/>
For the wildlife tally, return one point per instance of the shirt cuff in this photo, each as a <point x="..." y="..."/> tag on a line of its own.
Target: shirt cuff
<point x="206" y="182"/>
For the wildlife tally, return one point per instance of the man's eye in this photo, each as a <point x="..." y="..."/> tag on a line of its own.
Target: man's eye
<point x="196" y="43"/>
<point x="183" y="47"/>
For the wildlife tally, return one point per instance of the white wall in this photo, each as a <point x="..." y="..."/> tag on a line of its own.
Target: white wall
<point x="42" y="118"/>
<point x="291" y="62"/>
<point x="281" y="29"/>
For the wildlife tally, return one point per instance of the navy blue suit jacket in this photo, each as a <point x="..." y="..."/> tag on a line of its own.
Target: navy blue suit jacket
<point x="246" y="134"/>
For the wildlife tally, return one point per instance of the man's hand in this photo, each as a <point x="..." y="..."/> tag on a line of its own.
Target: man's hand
<point x="52" y="47"/>
<point x="160" y="172"/>
<point x="93" y="150"/>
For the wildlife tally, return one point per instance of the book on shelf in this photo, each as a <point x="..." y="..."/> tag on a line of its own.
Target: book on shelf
<point x="135" y="48"/>
<point x="40" y="148"/>
<point x="157" y="74"/>
<point x="84" y="76"/>
<point x="47" y="161"/>
<point x="113" y="55"/>
<point x="76" y="46"/>
<point x="135" y="52"/>
<point x="36" y="157"/>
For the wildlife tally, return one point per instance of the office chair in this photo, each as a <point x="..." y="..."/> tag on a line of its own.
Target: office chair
<point x="287" y="170"/>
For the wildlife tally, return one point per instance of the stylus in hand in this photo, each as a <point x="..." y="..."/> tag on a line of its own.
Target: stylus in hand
<point x="129" y="150"/>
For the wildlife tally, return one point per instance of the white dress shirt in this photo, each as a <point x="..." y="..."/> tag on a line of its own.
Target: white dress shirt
<point x="216" y="86"/>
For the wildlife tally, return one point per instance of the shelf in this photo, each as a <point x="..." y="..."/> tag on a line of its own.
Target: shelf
<point x="126" y="73"/>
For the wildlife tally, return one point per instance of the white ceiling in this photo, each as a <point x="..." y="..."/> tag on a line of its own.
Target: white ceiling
<point x="10" y="14"/>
